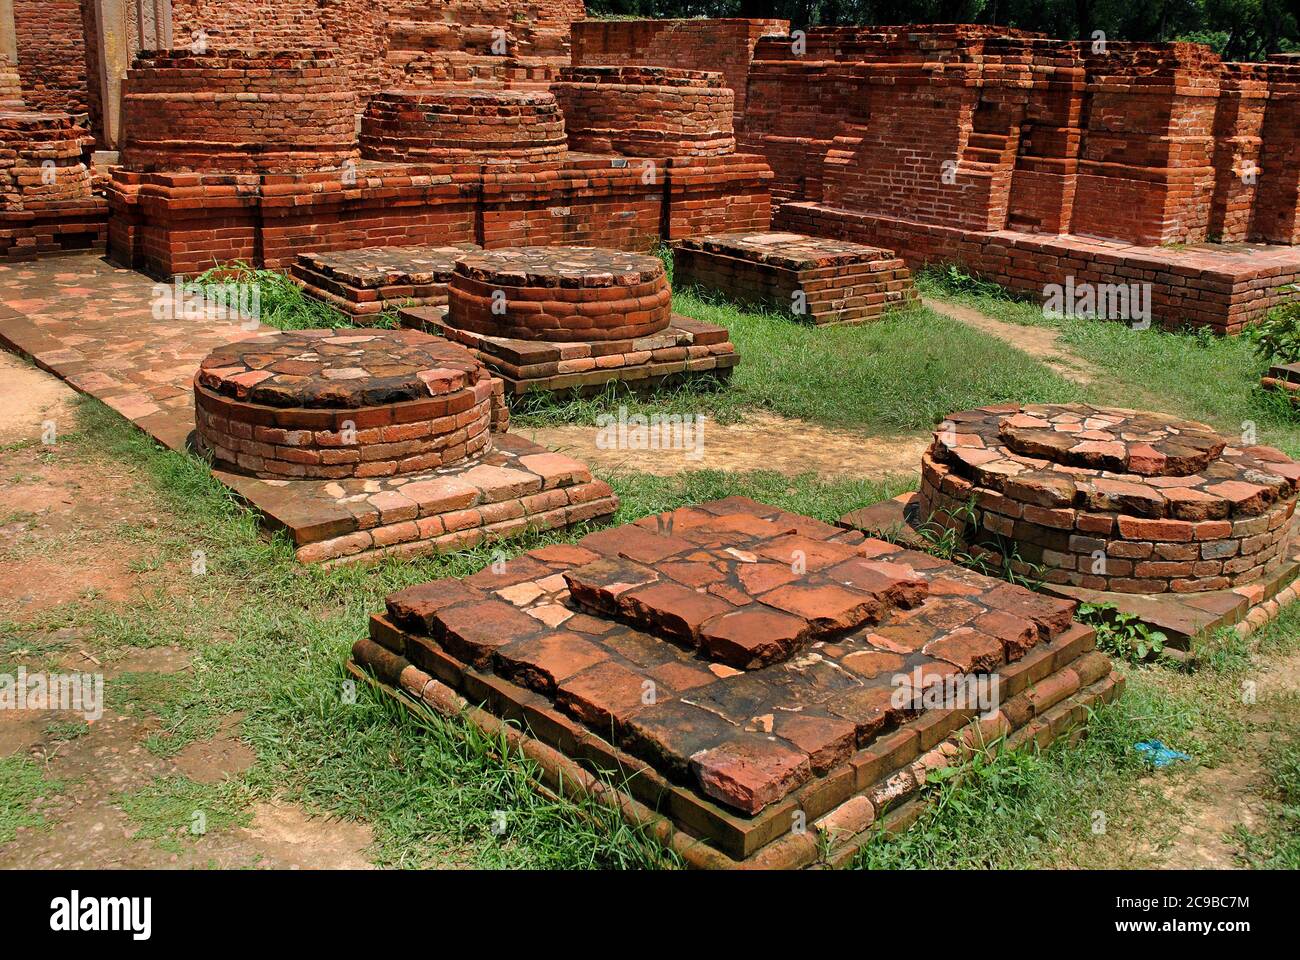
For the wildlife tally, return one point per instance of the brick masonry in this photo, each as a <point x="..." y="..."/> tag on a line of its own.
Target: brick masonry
<point x="618" y="652"/>
<point x="1111" y="500"/>
<point x="340" y="403"/>
<point x="95" y="326"/>
<point x="573" y="319"/>
<point x="813" y="279"/>
<point x="373" y="280"/>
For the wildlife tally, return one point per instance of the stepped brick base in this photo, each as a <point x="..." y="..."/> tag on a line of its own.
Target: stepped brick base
<point x="183" y="223"/>
<point x="518" y="487"/>
<point x="368" y="282"/>
<point x="1220" y="286"/>
<point x="1180" y="616"/>
<point x="686" y="350"/>
<point x="815" y="280"/>
<point x="53" y="227"/>
<point x="613" y="655"/>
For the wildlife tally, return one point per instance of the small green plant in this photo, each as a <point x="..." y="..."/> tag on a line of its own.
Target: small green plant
<point x="1122" y="634"/>
<point x="1277" y="336"/>
<point x="956" y="279"/>
<point x="963" y="542"/>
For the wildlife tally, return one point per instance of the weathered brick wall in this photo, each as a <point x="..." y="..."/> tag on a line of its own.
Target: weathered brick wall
<point x="1277" y="209"/>
<point x="52" y="54"/>
<point x="723" y="46"/>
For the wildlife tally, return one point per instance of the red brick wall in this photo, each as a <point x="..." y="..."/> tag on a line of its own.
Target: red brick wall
<point x="724" y="46"/>
<point x="52" y="54"/>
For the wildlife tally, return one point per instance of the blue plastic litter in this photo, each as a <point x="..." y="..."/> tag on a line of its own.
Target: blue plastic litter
<point x="1157" y="754"/>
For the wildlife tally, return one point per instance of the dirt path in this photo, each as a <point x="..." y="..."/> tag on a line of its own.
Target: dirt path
<point x="65" y="538"/>
<point x="1042" y="343"/>
<point x="763" y="441"/>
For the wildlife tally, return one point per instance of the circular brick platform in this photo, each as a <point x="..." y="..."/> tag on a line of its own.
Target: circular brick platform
<point x="460" y="124"/>
<point x="646" y="111"/>
<point x="1112" y="499"/>
<point x="237" y="111"/>
<point x="565" y="294"/>
<point x="342" y="403"/>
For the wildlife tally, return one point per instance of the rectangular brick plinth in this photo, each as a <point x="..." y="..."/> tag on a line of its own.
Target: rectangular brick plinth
<point x="688" y="349"/>
<point x="813" y="279"/>
<point x="604" y="653"/>
<point x="367" y="282"/>
<point x="518" y="487"/>
<point x="1221" y="286"/>
<point x="53" y="227"/>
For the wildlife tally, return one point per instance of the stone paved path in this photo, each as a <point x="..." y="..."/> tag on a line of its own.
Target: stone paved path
<point x="93" y="325"/>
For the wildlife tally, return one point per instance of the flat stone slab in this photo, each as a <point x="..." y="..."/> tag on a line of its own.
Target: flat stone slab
<point x="593" y="649"/>
<point x="812" y="279"/>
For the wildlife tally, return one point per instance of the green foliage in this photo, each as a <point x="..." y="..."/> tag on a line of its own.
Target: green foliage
<point x="1276" y="845"/>
<point x="22" y="787"/>
<point x="1277" y="336"/>
<point x="1122" y="634"/>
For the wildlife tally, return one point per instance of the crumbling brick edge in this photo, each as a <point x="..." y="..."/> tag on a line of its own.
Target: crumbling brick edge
<point x="833" y="840"/>
<point x="1266" y="611"/>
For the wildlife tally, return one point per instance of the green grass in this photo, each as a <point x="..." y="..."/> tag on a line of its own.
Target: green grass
<point x="22" y="787"/>
<point x="1207" y="378"/>
<point x="1277" y="845"/>
<point x="173" y="810"/>
<point x="269" y="638"/>
<point x="283" y="304"/>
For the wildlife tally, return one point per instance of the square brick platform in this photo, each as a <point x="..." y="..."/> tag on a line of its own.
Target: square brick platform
<point x="1181" y="616"/>
<point x="740" y="671"/>
<point x="834" y="281"/>
<point x="686" y="349"/>
<point x="91" y="325"/>
<point x="367" y="282"/>
<point x="1223" y="286"/>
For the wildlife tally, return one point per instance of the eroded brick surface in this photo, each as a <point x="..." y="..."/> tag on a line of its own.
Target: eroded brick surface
<point x="675" y="639"/>
<point x="1112" y="499"/>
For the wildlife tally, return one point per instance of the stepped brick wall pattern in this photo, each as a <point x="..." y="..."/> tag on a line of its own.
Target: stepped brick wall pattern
<point x="237" y="111"/>
<point x="463" y="124"/>
<point x="812" y="279"/>
<point x="279" y="180"/>
<point x="725" y="46"/>
<point x="573" y="319"/>
<point x="330" y="404"/>
<point x="367" y="282"/>
<point x="1110" y="499"/>
<point x="385" y="44"/>
<point x="46" y="199"/>
<point x="646" y="111"/>
<point x="734" y="686"/>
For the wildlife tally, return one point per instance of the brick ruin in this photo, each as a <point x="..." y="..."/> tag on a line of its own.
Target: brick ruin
<point x="1026" y="159"/>
<point x="276" y="177"/>
<point x="730" y="695"/>
<point x="381" y="443"/>
<point x="573" y="320"/>
<point x="47" y="204"/>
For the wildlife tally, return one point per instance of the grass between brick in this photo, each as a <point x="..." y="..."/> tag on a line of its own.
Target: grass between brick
<point x="1197" y="375"/>
<point x="269" y="638"/>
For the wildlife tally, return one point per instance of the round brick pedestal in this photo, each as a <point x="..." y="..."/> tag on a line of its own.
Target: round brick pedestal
<point x="463" y="124"/>
<point x="564" y="294"/>
<point x="40" y="159"/>
<point x="1111" y="499"/>
<point x="237" y="111"/>
<point x="646" y="111"/>
<point x="343" y="403"/>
